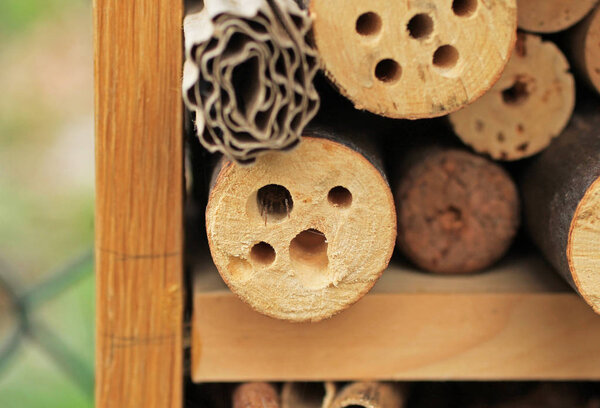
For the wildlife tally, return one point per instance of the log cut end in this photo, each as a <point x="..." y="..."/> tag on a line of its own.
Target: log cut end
<point x="255" y="395"/>
<point x="583" y="248"/>
<point x="585" y="47"/>
<point x="457" y="212"/>
<point x="302" y="235"/>
<point x="370" y="395"/>
<point x="249" y="76"/>
<point x="529" y="106"/>
<point x="550" y="16"/>
<point x="413" y="59"/>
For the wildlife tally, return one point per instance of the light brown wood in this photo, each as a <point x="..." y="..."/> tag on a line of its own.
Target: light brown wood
<point x="584" y="44"/>
<point x="550" y="16"/>
<point x="255" y="395"/>
<point x="249" y="75"/>
<point x="413" y="59"/>
<point x="517" y="321"/>
<point x="370" y="395"/>
<point x="307" y="394"/>
<point x="301" y="235"/>
<point x="529" y="106"/>
<point x="139" y="158"/>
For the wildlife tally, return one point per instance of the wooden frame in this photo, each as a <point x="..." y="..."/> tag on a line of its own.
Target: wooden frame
<point x="139" y="187"/>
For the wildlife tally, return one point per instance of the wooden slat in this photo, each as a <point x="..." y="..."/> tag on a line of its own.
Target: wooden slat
<point x="139" y="203"/>
<point x="515" y="322"/>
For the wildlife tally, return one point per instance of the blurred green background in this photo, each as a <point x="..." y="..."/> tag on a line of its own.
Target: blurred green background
<point x="46" y="204"/>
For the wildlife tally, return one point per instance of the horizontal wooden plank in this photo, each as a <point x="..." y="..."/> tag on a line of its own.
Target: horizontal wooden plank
<point x="539" y="330"/>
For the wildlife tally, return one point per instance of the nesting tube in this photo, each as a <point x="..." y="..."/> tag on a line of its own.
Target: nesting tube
<point x="529" y="106"/>
<point x="457" y="212"/>
<point x="370" y="395"/>
<point x="413" y="59"/>
<point x="302" y="235"/>
<point x="248" y="76"/>
<point x="561" y="197"/>
<point x="307" y="394"/>
<point x="255" y="395"/>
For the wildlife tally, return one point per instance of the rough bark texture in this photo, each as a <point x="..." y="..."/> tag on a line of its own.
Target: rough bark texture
<point x="457" y="212"/>
<point x="249" y="76"/>
<point x="561" y="194"/>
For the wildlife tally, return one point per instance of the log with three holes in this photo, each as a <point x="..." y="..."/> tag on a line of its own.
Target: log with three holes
<point x="413" y="59"/>
<point x="457" y="212"/>
<point x="302" y="235"/>
<point x="584" y="44"/>
<point x="529" y="106"/>
<point x="561" y="198"/>
<point x="255" y="395"/>
<point x="550" y="16"/>
<point x="370" y="395"/>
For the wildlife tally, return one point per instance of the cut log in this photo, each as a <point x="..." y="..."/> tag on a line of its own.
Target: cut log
<point x="370" y="395"/>
<point x="304" y="234"/>
<point x="529" y="106"/>
<point x="457" y="212"/>
<point x="550" y="16"/>
<point x="307" y="394"/>
<point x="561" y="197"/>
<point x="249" y="75"/>
<point x="584" y="45"/>
<point x="255" y="395"/>
<point x="413" y="59"/>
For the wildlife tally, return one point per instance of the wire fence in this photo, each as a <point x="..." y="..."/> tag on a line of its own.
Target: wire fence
<point x="21" y="303"/>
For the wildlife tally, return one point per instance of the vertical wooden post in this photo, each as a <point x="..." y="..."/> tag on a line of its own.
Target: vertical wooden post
<point x="139" y="203"/>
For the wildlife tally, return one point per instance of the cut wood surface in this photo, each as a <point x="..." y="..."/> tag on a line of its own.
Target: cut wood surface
<point x="249" y="75"/>
<point x="413" y="59"/>
<point x="412" y="326"/>
<point x="370" y="395"/>
<point x="561" y="197"/>
<point x="139" y="200"/>
<point x="304" y="234"/>
<point x="307" y="394"/>
<point x="529" y="106"/>
<point x="584" y="44"/>
<point x="457" y="212"/>
<point x="549" y="16"/>
<point x="255" y="395"/>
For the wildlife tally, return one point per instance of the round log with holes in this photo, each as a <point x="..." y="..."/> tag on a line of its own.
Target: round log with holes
<point x="413" y="59"/>
<point x="529" y="106"/>
<point x="457" y="212"/>
<point x="301" y="235"/>
<point x="584" y="43"/>
<point x="550" y="16"/>
<point x="561" y="198"/>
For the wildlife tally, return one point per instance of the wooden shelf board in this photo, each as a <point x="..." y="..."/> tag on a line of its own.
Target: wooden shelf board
<point x="518" y="321"/>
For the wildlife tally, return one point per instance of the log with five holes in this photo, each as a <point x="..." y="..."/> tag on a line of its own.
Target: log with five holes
<point x="413" y="59"/>
<point x="301" y="235"/>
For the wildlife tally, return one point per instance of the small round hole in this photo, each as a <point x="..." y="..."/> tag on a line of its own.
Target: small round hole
<point x="517" y="94"/>
<point x="420" y="26"/>
<point x="388" y="71"/>
<point x="274" y="202"/>
<point x="368" y="24"/>
<point x="309" y="249"/>
<point x="464" y="8"/>
<point x="445" y="57"/>
<point x="340" y="197"/>
<point x="262" y="254"/>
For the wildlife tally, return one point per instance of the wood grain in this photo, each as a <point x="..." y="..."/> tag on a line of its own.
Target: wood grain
<point x="139" y="203"/>
<point x="495" y="328"/>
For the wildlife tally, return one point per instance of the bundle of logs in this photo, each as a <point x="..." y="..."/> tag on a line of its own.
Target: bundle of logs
<point x="322" y="175"/>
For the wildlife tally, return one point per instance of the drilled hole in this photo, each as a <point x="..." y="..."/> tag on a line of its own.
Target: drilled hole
<point x="388" y="71"/>
<point x="274" y="202"/>
<point x="309" y="249"/>
<point x="517" y="94"/>
<point x="262" y="254"/>
<point x="420" y="26"/>
<point x="340" y="197"/>
<point x="368" y="24"/>
<point x="445" y="57"/>
<point x="464" y="8"/>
